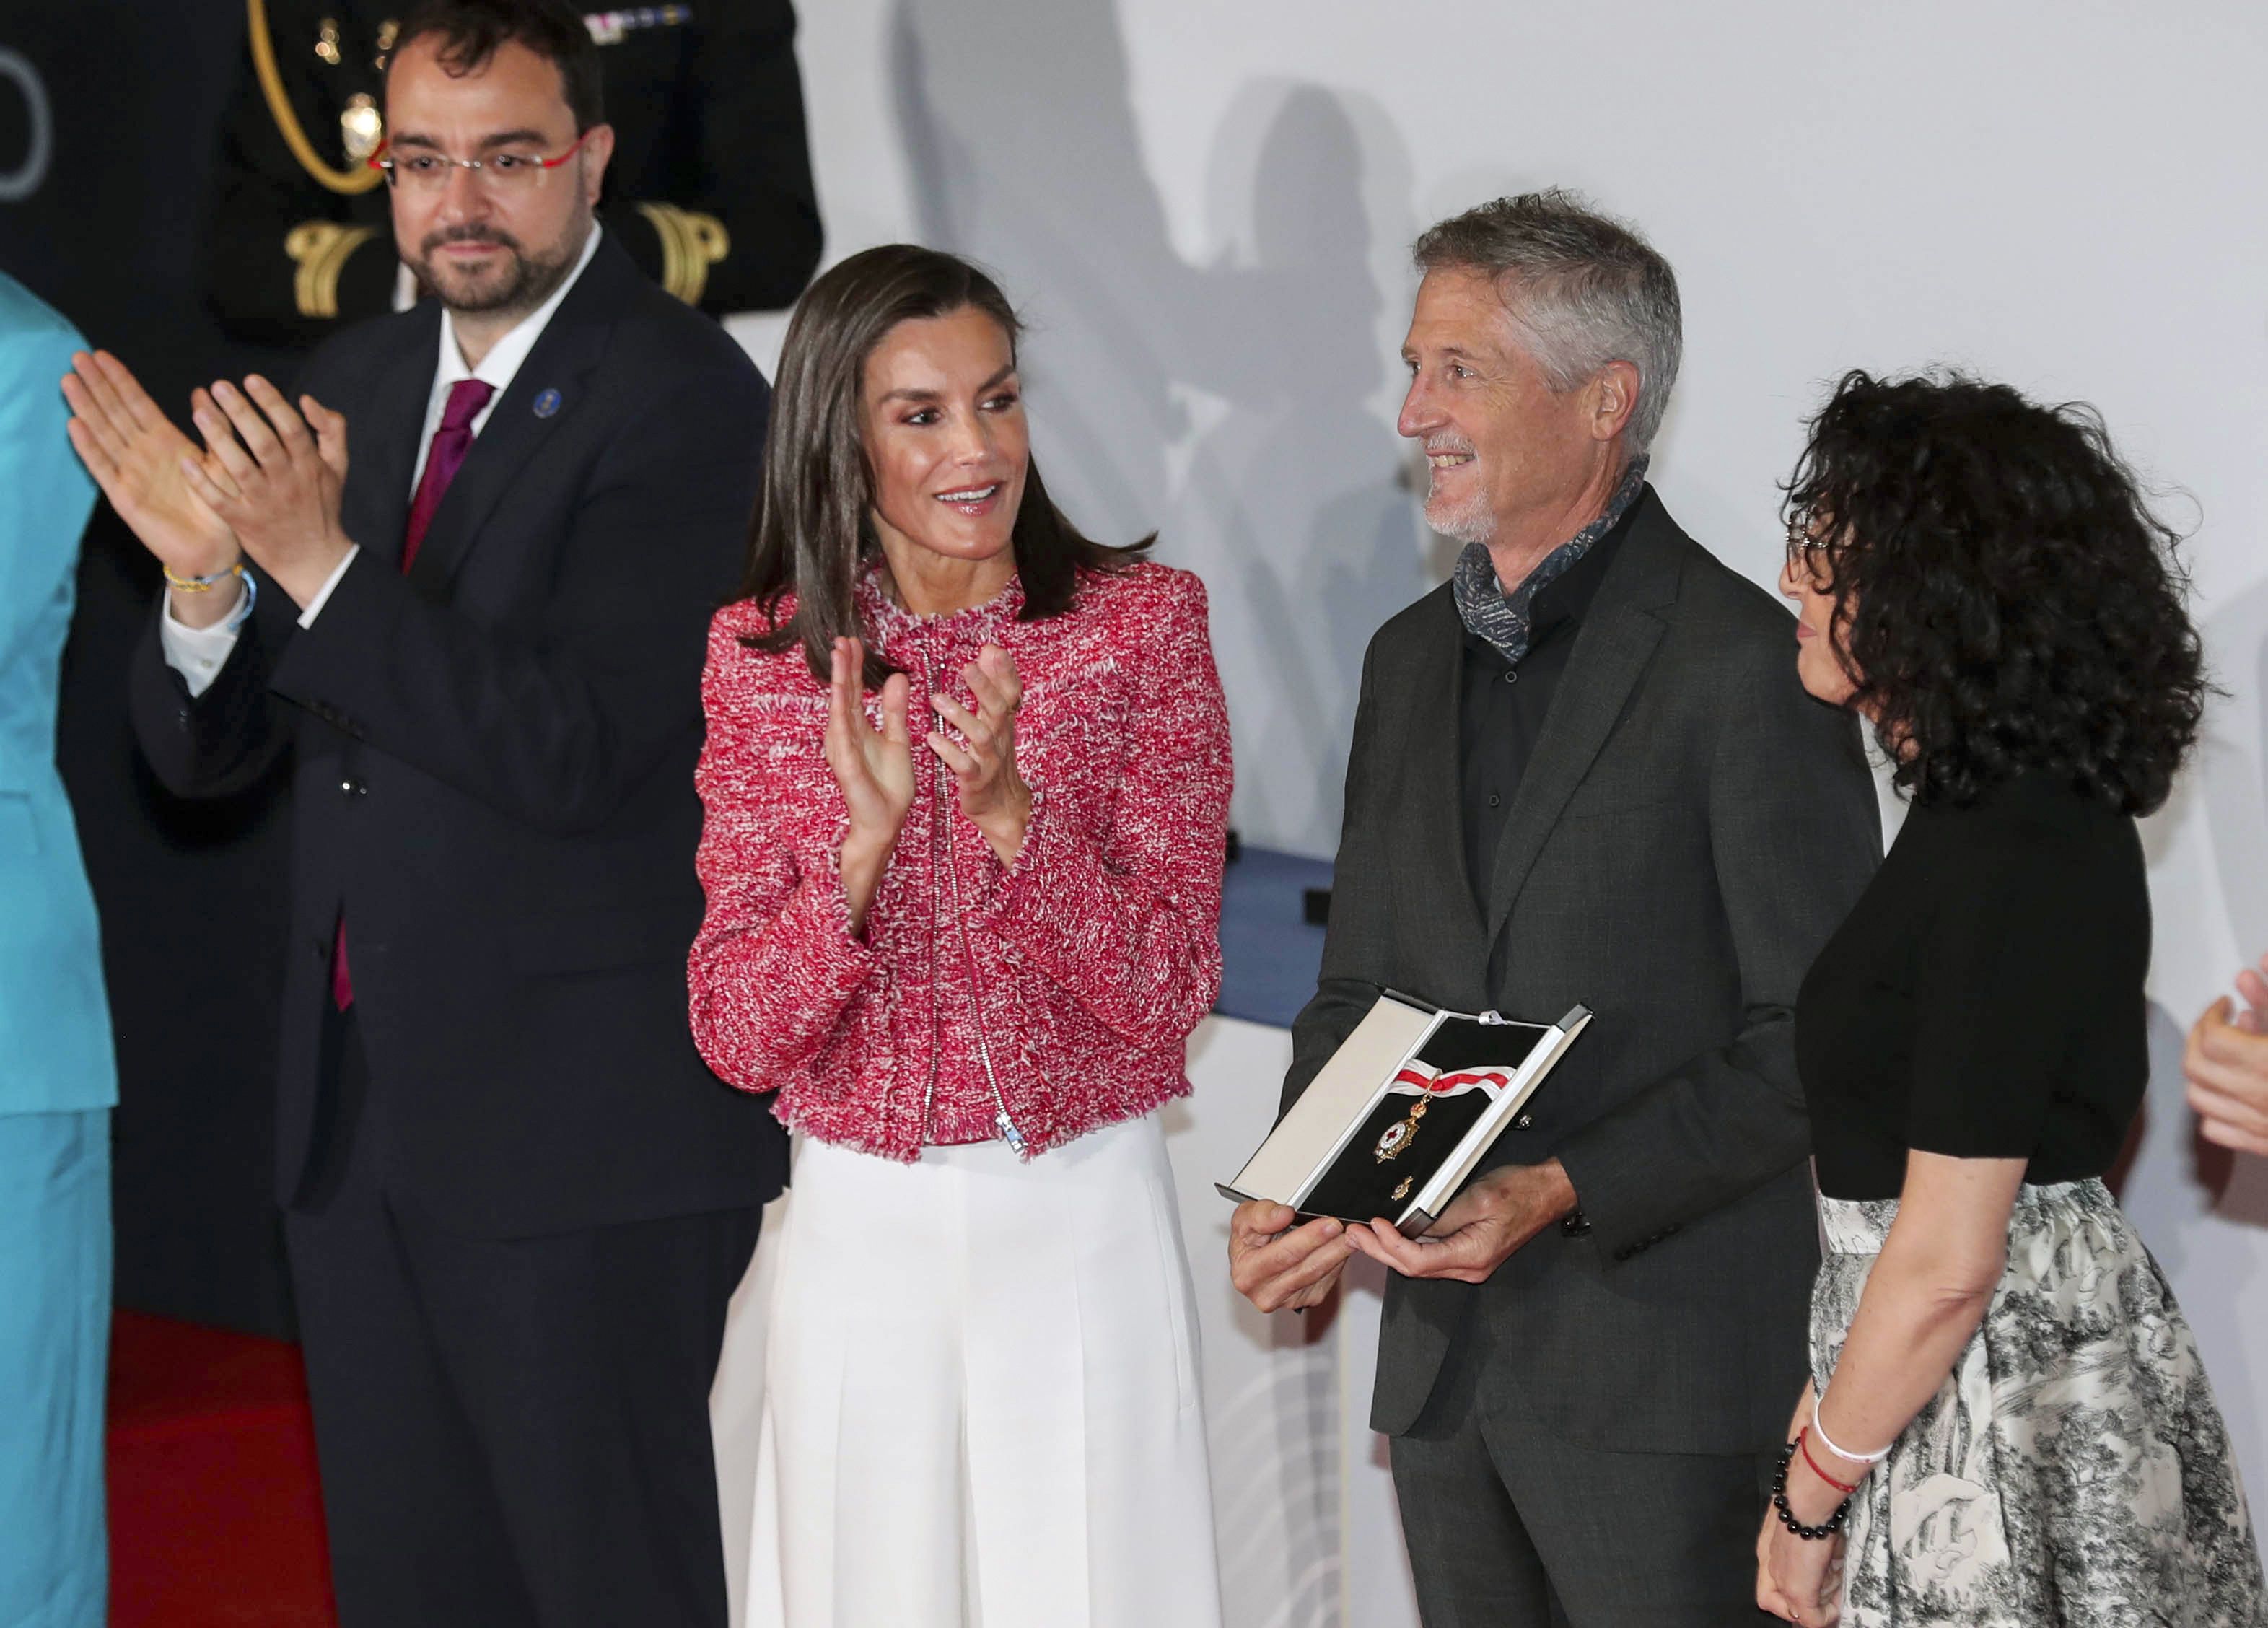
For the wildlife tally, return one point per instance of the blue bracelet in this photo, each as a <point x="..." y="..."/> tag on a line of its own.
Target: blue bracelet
<point x="242" y="614"/>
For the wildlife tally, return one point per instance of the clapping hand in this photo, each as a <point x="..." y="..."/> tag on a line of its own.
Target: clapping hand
<point x="276" y="480"/>
<point x="993" y="795"/>
<point x="2253" y="986"/>
<point x="874" y="768"/>
<point x="2226" y="1062"/>
<point x="139" y="460"/>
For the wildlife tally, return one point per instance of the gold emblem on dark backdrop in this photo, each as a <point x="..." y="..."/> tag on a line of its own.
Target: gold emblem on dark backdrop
<point x="691" y="242"/>
<point x="361" y="127"/>
<point x="357" y="177"/>
<point x="320" y="248"/>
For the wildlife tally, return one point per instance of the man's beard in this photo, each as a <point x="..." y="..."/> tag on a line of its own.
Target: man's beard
<point x="527" y="282"/>
<point x="1470" y="521"/>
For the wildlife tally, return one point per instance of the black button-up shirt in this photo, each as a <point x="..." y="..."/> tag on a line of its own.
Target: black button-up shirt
<point x="1503" y="707"/>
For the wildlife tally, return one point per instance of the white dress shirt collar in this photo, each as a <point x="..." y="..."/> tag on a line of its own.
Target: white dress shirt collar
<point x="496" y="368"/>
<point x="505" y="356"/>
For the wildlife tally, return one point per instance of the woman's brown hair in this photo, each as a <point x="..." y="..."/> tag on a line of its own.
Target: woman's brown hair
<point x="812" y="533"/>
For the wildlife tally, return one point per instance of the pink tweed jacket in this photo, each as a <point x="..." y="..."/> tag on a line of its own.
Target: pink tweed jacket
<point x="1032" y="1002"/>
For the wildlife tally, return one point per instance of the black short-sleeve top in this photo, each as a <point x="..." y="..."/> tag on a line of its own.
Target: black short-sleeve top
<point x="1984" y="999"/>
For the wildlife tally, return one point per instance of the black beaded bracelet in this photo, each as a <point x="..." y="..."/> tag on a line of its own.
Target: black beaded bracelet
<point x="1834" y="1522"/>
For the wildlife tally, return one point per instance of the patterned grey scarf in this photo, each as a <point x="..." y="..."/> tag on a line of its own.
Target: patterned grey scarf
<point x="1501" y="618"/>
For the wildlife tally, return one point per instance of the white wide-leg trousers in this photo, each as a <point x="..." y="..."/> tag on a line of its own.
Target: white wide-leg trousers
<point x="981" y="1395"/>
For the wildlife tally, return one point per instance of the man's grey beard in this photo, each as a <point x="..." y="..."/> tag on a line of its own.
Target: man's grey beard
<point x="1474" y="523"/>
<point x="532" y="282"/>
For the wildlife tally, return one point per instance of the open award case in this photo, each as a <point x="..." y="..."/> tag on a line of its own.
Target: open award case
<point x="1398" y="1118"/>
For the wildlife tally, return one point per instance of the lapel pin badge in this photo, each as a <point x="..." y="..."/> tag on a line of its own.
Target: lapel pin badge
<point x="547" y="404"/>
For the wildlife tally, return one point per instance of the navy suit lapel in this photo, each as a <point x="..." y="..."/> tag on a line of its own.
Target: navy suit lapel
<point x="545" y="394"/>
<point x="1429" y="867"/>
<point x="382" y="441"/>
<point x="1612" y="647"/>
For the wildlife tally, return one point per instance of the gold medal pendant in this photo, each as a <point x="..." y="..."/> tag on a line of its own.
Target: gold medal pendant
<point x="1401" y="1133"/>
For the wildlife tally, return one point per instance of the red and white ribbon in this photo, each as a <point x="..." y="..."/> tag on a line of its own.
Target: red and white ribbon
<point x="1497" y="1077"/>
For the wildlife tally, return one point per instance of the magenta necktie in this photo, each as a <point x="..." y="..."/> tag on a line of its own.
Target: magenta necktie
<point x="451" y="442"/>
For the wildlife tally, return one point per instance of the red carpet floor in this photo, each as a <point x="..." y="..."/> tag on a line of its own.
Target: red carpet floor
<point x="214" y="1518"/>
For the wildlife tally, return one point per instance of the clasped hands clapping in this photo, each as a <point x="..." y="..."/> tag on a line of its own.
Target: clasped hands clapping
<point x="875" y="767"/>
<point x="266" y="483"/>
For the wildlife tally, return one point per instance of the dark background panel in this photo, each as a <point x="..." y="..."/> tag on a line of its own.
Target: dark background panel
<point x="192" y="895"/>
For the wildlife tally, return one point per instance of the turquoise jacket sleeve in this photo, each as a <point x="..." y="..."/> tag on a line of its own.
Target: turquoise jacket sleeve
<point x="54" y="1023"/>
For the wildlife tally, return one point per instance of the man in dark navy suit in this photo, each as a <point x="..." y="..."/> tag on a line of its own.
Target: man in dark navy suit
<point x="516" y="1201"/>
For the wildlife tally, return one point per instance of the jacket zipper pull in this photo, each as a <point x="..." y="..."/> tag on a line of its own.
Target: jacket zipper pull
<point x="1009" y="1133"/>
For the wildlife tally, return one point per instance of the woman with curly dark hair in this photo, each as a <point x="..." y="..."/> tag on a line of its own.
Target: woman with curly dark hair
<point x="2018" y="1431"/>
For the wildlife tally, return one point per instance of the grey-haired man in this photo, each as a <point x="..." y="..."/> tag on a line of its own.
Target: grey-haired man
<point x="1583" y="771"/>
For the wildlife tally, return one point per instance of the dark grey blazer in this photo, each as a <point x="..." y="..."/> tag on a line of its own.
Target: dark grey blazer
<point x="1692" y="827"/>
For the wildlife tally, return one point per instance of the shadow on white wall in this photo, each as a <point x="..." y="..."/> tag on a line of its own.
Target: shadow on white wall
<point x="2228" y="773"/>
<point x="1200" y="401"/>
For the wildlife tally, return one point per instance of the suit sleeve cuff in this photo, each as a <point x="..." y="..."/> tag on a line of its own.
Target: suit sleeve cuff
<point x="314" y="606"/>
<point x="197" y="654"/>
<point x="1614" y="1192"/>
<point x="829" y="961"/>
<point x="764" y="1002"/>
<point x="328" y="669"/>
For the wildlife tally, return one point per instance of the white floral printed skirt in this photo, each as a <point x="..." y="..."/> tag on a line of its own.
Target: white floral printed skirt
<point x="2072" y="1470"/>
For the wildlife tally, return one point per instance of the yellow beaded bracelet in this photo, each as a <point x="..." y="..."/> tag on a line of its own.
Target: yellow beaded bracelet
<point x="200" y="585"/>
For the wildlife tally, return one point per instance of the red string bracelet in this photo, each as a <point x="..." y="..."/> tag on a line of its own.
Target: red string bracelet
<point x="1803" y="1442"/>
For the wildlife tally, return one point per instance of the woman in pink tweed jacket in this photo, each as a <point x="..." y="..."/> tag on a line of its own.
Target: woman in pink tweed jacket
<point x="966" y="786"/>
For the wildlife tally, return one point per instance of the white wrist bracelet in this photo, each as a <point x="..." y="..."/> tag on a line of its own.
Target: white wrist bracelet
<point x="1828" y="1441"/>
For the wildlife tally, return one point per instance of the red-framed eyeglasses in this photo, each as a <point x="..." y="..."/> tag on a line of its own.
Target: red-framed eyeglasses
<point x="502" y="171"/>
